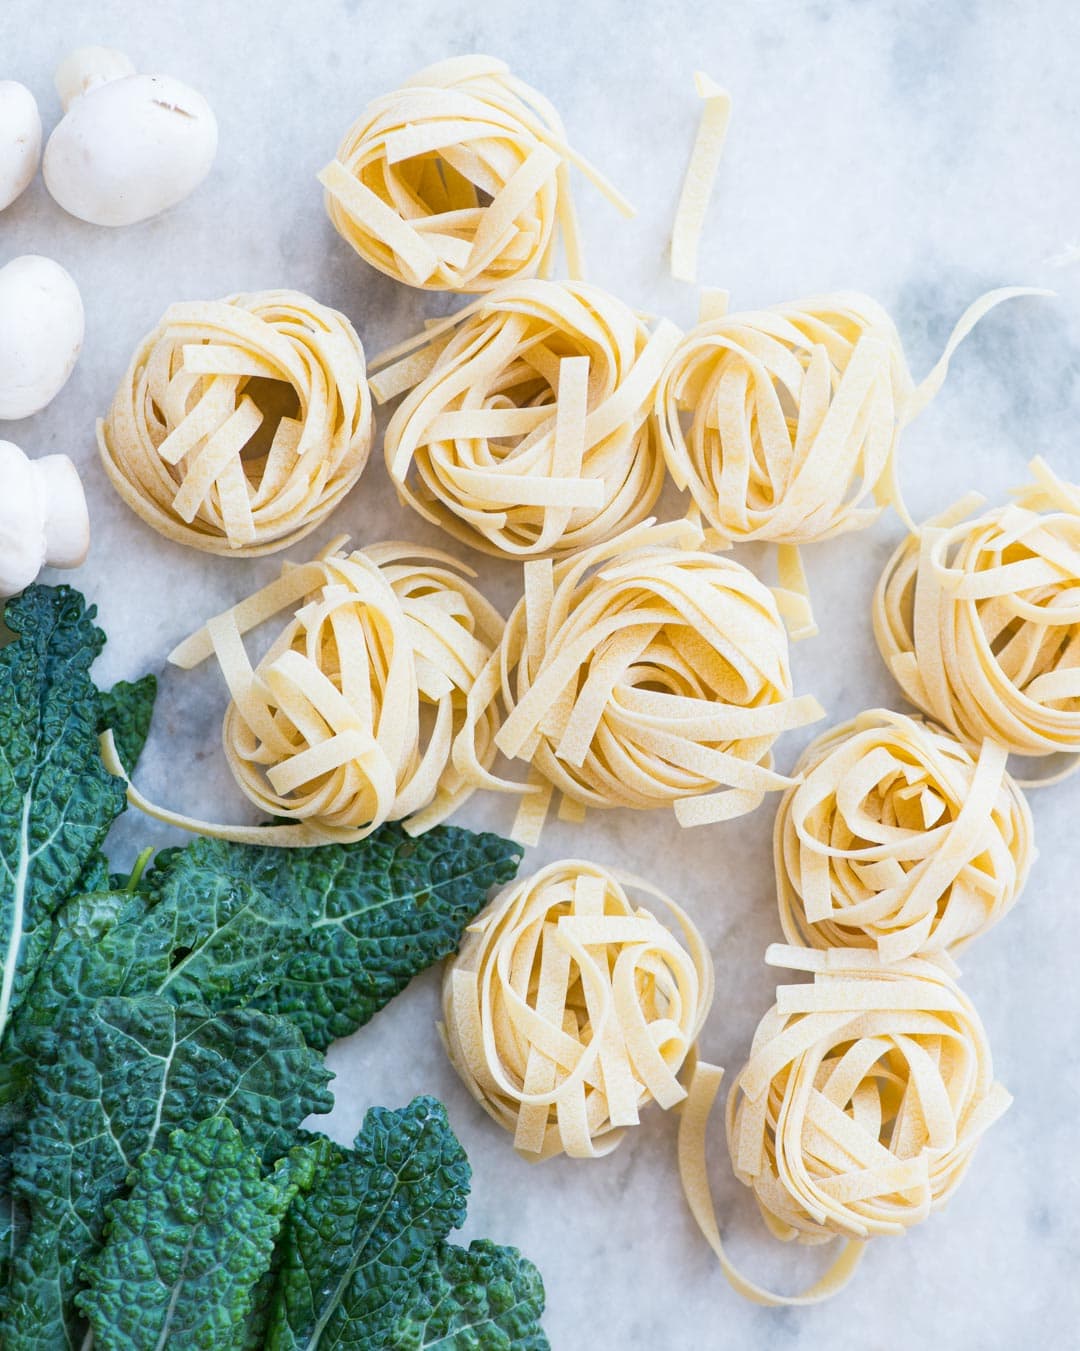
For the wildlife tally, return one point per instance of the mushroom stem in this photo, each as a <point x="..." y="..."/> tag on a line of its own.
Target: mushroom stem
<point x="66" y="520"/>
<point x="89" y="68"/>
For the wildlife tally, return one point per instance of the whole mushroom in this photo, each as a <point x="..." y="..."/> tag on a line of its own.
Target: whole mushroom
<point x="129" y="146"/>
<point x="41" y="333"/>
<point x="43" y="517"/>
<point x="20" y="140"/>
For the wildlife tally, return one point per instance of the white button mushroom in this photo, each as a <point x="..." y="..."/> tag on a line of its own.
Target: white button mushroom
<point x="129" y="146"/>
<point x="43" y="517"/>
<point x="41" y="333"/>
<point x="20" y="140"/>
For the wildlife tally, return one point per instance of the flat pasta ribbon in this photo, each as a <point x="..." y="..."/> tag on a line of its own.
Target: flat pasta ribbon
<point x="640" y="673"/>
<point x="459" y="180"/>
<point x="979" y="619"/>
<point x="188" y="447"/>
<point x="569" y="1008"/>
<point x="858" y="1112"/>
<point x="899" y="838"/>
<point x="349" y="718"/>
<point x="528" y="429"/>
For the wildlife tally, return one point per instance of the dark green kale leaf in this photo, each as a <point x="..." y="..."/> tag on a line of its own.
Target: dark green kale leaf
<point x="57" y="800"/>
<point x="115" y="1078"/>
<point x="126" y="710"/>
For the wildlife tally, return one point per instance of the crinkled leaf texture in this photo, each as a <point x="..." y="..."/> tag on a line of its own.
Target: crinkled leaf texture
<point x="57" y="800"/>
<point x="354" y="1247"/>
<point x="126" y="710"/>
<point x="184" y="1252"/>
<point x="116" y="1077"/>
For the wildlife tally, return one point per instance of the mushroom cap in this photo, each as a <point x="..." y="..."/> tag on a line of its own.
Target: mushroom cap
<point x="20" y="140"/>
<point x="130" y="149"/>
<point x="41" y="333"/>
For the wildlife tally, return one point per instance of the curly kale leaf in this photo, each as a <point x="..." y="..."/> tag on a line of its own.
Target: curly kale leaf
<point x="185" y="1251"/>
<point x="57" y="800"/>
<point x="480" y="1298"/>
<point x="118" y="1075"/>
<point x="355" y="1245"/>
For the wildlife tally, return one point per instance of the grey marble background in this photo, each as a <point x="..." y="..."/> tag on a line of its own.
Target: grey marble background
<point x="919" y="151"/>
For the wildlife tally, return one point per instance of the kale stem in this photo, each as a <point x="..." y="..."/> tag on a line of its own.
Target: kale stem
<point x="138" y="870"/>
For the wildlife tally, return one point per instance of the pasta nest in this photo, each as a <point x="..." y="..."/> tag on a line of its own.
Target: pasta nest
<point x="569" y="1008"/>
<point x="640" y="673"/>
<point x="979" y="619"/>
<point x="349" y="718"/>
<point x="528" y="429"/>
<point x="898" y="838"/>
<point x="459" y="180"/>
<point x="191" y="451"/>
<point x="864" y="1098"/>
<point x="783" y="422"/>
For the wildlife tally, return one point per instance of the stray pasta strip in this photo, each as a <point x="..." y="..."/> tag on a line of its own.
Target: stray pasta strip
<point x="640" y="673"/>
<point x="700" y="175"/>
<point x="783" y="424"/>
<point x="459" y="180"/>
<point x="528" y="429"/>
<point x="979" y="619"/>
<point x="899" y="838"/>
<point x="569" y="1008"/>
<point x="858" y="1112"/>
<point x="349" y="719"/>
<point x="240" y="424"/>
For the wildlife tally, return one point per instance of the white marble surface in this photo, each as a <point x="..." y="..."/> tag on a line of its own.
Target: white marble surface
<point x="919" y="151"/>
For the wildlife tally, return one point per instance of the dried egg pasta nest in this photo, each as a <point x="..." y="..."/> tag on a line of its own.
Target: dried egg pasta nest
<point x="898" y="838"/>
<point x="459" y="180"/>
<point x="641" y="673"/>
<point x="979" y="620"/>
<point x="858" y="1112"/>
<point x="569" y="1008"/>
<point x="528" y="429"/>
<point x="189" y="449"/>
<point x="349" y="718"/>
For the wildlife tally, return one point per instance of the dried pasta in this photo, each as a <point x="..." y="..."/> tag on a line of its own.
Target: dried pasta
<point x="858" y="1112"/>
<point x="979" y="619"/>
<point x="459" y="180"/>
<point x="569" y="1008"/>
<point x="640" y="673"/>
<point x="528" y="428"/>
<point x="898" y="838"/>
<point x="349" y="718"/>
<point x="189" y="449"/>
<point x="700" y="174"/>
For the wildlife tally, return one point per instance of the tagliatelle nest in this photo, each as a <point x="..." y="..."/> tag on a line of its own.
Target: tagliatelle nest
<point x="569" y="1008"/>
<point x="528" y="429"/>
<point x="349" y="718"/>
<point x="899" y="838"/>
<point x="459" y="180"/>
<point x="858" y="1112"/>
<point x="641" y="673"/>
<point x="191" y="443"/>
<point x="979" y="620"/>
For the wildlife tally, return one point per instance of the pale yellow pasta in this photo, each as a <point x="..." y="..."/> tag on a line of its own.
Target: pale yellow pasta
<point x="240" y="424"/>
<point x="640" y="673"/>
<point x="570" y="1007"/>
<point x="349" y="719"/>
<point x="858" y="1112"/>
<point x="528" y="427"/>
<point x="700" y="174"/>
<point x="979" y="619"/>
<point x="459" y="180"/>
<point x="898" y="838"/>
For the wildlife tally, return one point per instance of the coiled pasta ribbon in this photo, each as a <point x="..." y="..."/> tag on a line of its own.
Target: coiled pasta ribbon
<point x="188" y="447"/>
<point x="528" y="428"/>
<point x="349" y="719"/>
<point x="459" y="180"/>
<point x="858" y="1112"/>
<point x="640" y="673"/>
<point x="979" y="620"/>
<point x="898" y="838"/>
<point x="569" y="1008"/>
<point x="783" y="424"/>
